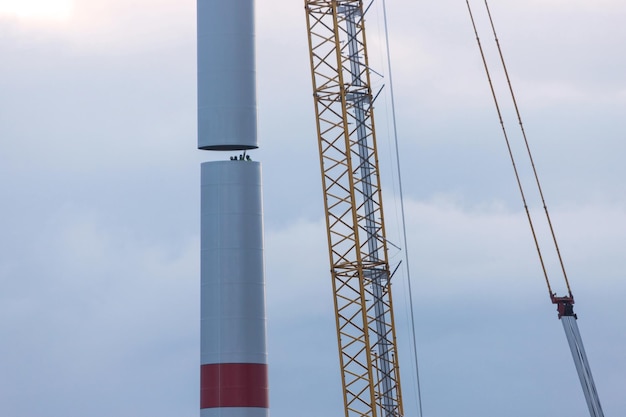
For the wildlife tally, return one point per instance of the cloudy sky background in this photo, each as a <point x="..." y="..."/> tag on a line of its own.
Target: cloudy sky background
<point x="99" y="225"/>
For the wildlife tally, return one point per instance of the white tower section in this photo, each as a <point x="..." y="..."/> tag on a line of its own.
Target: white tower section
<point x="233" y="362"/>
<point x="226" y="75"/>
<point x="233" y="344"/>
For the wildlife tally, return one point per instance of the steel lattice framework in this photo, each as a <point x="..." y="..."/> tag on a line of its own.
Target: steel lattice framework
<point x="360" y="268"/>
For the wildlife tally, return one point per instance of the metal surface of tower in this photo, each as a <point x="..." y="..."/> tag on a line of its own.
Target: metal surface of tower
<point x="233" y="376"/>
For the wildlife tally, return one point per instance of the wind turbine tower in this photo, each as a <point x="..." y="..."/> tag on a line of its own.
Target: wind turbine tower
<point x="234" y="376"/>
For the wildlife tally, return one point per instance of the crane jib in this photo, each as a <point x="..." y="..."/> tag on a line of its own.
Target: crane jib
<point x="353" y="208"/>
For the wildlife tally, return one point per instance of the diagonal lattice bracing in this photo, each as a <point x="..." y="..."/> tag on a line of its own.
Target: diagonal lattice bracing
<point x="354" y="214"/>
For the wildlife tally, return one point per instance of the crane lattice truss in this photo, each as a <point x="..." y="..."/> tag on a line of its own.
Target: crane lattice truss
<point x="354" y="212"/>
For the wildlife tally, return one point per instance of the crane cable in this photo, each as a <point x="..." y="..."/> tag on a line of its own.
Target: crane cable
<point x="508" y="144"/>
<point x="564" y="304"/>
<point x="402" y="211"/>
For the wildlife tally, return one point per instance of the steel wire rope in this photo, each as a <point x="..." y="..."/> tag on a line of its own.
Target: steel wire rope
<point x="530" y="156"/>
<point x="512" y="157"/>
<point x="568" y="318"/>
<point x="402" y="210"/>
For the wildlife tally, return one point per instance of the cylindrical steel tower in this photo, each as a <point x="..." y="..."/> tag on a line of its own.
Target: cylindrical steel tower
<point x="233" y="346"/>
<point x="226" y="75"/>
<point x="234" y="376"/>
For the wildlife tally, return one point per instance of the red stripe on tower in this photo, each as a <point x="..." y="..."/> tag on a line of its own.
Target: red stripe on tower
<point x="234" y="385"/>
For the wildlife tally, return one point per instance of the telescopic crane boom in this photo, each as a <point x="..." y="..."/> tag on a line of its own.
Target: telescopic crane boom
<point x="361" y="276"/>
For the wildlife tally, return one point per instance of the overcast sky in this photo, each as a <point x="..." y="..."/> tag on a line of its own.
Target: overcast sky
<point x="99" y="208"/>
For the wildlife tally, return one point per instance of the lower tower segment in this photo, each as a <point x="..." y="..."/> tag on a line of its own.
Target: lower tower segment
<point x="234" y="380"/>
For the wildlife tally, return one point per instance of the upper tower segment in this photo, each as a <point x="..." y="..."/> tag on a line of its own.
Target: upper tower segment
<point x="226" y="75"/>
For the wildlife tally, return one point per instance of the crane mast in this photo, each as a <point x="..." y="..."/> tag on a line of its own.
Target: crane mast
<point x="361" y="275"/>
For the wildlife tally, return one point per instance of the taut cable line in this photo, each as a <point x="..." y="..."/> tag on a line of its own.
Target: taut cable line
<point x="402" y="211"/>
<point x="530" y="156"/>
<point x="565" y="304"/>
<point x="508" y="145"/>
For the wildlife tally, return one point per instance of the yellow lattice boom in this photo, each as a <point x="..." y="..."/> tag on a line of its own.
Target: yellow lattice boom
<point x="360" y="270"/>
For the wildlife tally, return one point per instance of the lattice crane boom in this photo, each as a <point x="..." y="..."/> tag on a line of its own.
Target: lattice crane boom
<point x="361" y="276"/>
